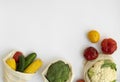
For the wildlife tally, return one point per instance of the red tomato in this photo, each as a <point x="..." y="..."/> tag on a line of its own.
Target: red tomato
<point x="80" y="80"/>
<point x="16" y="55"/>
<point x="90" y="53"/>
<point x="108" y="46"/>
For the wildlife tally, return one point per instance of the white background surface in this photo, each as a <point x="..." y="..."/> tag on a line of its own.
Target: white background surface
<point x="57" y="29"/>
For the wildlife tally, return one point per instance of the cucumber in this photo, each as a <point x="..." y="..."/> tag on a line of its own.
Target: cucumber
<point x="29" y="59"/>
<point x="21" y="64"/>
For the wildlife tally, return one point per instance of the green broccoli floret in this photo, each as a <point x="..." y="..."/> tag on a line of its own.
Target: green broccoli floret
<point x="58" y="72"/>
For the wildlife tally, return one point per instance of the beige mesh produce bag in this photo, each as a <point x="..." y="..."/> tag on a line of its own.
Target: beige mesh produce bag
<point x="11" y="75"/>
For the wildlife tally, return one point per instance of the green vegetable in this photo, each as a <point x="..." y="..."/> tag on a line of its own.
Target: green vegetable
<point x="109" y="63"/>
<point x="29" y="59"/>
<point x="58" y="72"/>
<point x="90" y="73"/>
<point x="114" y="81"/>
<point x="21" y="63"/>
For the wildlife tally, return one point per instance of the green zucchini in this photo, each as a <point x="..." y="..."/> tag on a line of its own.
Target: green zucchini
<point x="21" y="64"/>
<point x="29" y="59"/>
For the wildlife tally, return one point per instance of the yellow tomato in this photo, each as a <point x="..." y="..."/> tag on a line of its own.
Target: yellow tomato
<point x="93" y="36"/>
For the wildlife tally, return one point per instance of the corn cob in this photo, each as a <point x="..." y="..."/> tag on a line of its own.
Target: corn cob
<point x="34" y="66"/>
<point x="11" y="62"/>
